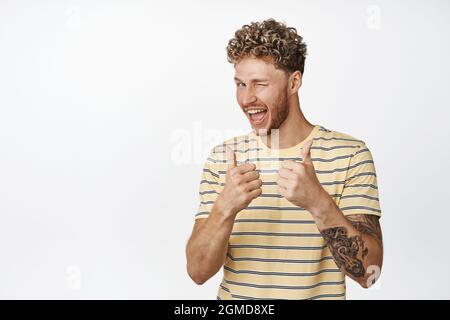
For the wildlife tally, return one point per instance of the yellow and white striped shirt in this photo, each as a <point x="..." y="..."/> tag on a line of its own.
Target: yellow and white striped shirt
<point x="275" y="250"/>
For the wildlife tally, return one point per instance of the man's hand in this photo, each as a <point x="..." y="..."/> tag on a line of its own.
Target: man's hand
<point x="298" y="182"/>
<point x="241" y="187"/>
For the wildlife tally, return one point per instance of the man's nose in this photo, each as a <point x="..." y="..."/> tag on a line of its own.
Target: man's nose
<point x="249" y="95"/>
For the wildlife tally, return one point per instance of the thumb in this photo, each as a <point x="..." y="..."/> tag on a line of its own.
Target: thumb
<point x="231" y="157"/>
<point x="306" y="151"/>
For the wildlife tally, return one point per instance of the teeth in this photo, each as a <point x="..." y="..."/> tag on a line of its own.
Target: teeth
<point x="255" y="111"/>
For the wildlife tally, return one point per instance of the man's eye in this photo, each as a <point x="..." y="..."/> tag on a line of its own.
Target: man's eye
<point x="240" y="84"/>
<point x="261" y="84"/>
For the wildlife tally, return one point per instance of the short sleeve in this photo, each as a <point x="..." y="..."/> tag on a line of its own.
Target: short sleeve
<point x="209" y="188"/>
<point x="360" y="192"/>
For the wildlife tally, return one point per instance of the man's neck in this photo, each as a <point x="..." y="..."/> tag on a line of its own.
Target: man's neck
<point x="293" y="130"/>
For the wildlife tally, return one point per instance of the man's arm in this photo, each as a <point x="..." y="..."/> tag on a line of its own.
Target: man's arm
<point x="355" y="241"/>
<point x="207" y="248"/>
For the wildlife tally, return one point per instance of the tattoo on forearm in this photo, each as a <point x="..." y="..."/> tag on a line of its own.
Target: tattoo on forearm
<point x="367" y="224"/>
<point x="348" y="252"/>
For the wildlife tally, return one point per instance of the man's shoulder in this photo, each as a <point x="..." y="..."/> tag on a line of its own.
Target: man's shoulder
<point x="238" y="143"/>
<point x="333" y="137"/>
<point x="342" y="144"/>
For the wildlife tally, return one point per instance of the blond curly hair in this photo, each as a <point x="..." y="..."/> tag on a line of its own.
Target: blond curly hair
<point x="269" y="39"/>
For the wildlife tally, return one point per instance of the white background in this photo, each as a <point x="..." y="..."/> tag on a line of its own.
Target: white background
<point x="107" y="111"/>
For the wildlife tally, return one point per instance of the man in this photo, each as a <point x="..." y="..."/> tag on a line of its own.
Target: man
<point x="290" y="208"/>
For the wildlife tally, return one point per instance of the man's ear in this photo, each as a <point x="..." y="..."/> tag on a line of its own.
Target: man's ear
<point x="295" y="81"/>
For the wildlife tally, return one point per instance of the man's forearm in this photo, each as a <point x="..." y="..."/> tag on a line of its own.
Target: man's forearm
<point x="355" y="245"/>
<point x="206" y="250"/>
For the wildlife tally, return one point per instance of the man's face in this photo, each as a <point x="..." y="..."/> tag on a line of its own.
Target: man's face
<point x="261" y="91"/>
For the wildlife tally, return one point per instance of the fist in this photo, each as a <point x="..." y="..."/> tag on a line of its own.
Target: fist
<point x="298" y="182"/>
<point x="242" y="185"/>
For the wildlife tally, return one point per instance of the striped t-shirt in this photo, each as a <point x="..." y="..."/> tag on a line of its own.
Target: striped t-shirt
<point x="275" y="250"/>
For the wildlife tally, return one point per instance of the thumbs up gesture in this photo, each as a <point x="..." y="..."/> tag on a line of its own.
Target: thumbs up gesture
<point x="298" y="182"/>
<point x="242" y="185"/>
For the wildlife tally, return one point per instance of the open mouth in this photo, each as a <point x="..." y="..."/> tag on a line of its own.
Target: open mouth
<point x="257" y="116"/>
